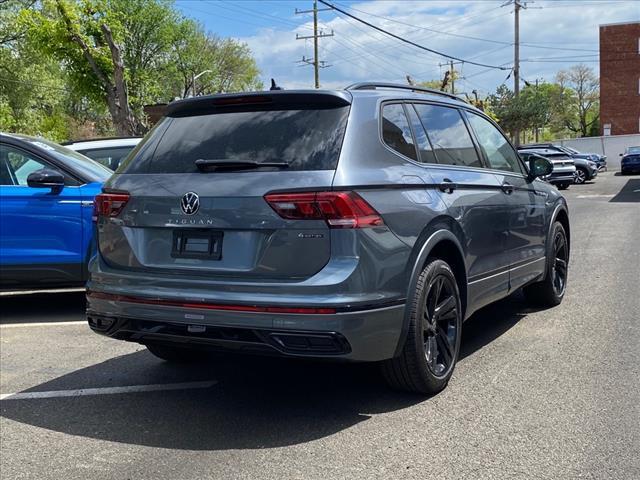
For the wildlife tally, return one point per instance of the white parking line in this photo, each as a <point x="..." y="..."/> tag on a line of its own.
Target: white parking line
<point x="34" y="292"/>
<point x="108" y="390"/>
<point x="596" y="195"/>
<point x="42" y="324"/>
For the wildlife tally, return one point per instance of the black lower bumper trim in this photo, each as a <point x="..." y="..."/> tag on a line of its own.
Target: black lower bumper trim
<point x="289" y="342"/>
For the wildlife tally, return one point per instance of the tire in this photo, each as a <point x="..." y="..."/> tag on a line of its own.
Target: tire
<point x="581" y="176"/>
<point x="550" y="291"/>
<point x="563" y="186"/>
<point x="430" y="352"/>
<point x="175" y="354"/>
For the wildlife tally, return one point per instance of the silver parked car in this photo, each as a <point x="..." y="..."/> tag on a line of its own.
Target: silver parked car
<point x="107" y="151"/>
<point x="363" y="224"/>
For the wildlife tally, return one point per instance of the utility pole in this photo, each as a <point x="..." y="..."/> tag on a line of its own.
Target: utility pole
<point x="453" y="80"/>
<point x="537" y="99"/>
<point x="317" y="64"/>
<point x="518" y="4"/>
<point x="450" y="75"/>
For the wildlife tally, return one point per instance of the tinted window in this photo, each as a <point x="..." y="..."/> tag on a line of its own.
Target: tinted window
<point x="396" y="132"/>
<point x="305" y="139"/>
<point x="449" y="136"/>
<point x="91" y="171"/>
<point x="16" y="166"/>
<point x="109" y="157"/>
<point x="424" y="147"/>
<point x="496" y="148"/>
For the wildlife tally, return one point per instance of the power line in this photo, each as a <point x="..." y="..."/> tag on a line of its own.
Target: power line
<point x="460" y="22"/>
<point x="235" y="8"/>
<point x="480" y="39"/>
<point x="402" y="39"/>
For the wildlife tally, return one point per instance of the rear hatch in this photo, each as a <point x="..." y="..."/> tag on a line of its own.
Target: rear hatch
<point x="190" y="200"/>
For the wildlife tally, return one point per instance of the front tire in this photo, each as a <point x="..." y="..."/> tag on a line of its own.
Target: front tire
<point x="581" y="176"/>
<point x="431" y="348"/>
<point x="550" y="291"/>
<point x="563" y="186"/>
<point x="175" y="354"/>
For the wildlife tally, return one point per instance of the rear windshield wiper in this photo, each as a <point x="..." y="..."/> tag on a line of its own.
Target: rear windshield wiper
<point x="206" y="165"/>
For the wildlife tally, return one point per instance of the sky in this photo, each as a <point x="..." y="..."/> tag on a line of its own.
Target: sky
<point x="554" y="35"/>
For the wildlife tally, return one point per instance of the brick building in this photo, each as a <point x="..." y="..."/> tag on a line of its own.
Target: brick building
<point x="620" y="78"/>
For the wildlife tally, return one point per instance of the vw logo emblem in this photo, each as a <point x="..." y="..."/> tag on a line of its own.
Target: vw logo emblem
<point x="190" y="203"/>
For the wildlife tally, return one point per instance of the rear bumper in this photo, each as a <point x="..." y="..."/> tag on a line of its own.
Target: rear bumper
<point x="362" y="335"/>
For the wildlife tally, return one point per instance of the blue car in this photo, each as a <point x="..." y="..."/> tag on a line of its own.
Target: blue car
<point x="46" y="198"/>
<point x="630" y="162"/>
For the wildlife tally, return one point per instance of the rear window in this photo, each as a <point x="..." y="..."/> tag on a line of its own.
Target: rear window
<point x="305" y="139"/>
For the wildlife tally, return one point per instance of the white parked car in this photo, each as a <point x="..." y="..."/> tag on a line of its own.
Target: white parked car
<point x="107" y="151"/>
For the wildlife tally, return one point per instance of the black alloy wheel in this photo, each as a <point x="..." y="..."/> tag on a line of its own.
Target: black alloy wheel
<point x="430" y="351"/>
<point x="560" y="263"/>
<point x="440" y="324"/>
<point x="550" y="291"/>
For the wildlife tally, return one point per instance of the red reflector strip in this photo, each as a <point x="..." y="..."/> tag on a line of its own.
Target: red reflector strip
<point x="212" y="306"/>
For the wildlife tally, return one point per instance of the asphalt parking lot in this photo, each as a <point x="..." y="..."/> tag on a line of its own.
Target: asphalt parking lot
<point x="551" y="394"/>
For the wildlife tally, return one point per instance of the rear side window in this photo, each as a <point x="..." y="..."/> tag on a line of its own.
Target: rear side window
<point x="109" y="157"/>
<point x="305" y="139"/>
<point x="396" y="132"/>
<point x="496" y="148"/>
<point x="424" y="147"/>
<point x="449" y="136"/>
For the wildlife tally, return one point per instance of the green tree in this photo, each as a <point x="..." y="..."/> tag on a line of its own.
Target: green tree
<point x="124" y="54"/>
<point x="32" y="89"/>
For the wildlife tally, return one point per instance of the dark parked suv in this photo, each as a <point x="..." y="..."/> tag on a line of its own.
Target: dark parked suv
<point x="364" y="224"/>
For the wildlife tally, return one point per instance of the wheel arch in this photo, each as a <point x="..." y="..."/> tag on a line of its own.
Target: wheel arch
<point x="443" y="239"/>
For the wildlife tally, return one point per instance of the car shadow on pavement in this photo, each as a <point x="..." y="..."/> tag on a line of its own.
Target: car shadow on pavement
<point x="629" y="193"/>
<point x="258" y="402"/>
<point x="42" y="307"/>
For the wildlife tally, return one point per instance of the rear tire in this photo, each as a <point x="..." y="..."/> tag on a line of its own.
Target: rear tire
<point x="563" y="186"/>
<point x="550" y="291"/>
<point x="431" y="348"/>
<point x="176" y="354"/>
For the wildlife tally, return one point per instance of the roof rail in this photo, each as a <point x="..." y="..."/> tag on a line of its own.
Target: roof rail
<point x="401" y="86"/>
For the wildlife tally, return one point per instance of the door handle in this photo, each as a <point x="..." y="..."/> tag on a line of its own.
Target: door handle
<point x="447" y="186"/>
<point x="507" y="188"/>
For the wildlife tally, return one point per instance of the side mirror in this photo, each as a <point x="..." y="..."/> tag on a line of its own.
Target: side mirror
<point x="621" y="154"/>
<point x="539" y="166"/>
<point x="46" y="178"/>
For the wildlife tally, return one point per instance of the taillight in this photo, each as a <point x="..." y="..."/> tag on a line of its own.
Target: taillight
<point x="338" y="209"/>
<point x="109" y="204"/>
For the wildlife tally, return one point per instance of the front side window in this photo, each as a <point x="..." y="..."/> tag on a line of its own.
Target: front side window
<point x="396" y="132"/>
<point x="16" y="166"/>
<point x="449" y="136"/>
<point x="496" y="148"/>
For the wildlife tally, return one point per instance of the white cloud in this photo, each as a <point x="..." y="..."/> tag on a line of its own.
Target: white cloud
<point x="359" y="53"/>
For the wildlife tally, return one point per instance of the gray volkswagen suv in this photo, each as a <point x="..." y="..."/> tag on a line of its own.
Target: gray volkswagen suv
<point x="363" y="224"/>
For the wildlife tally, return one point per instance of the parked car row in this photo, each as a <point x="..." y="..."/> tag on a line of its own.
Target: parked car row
<point x="586" y="165"/>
